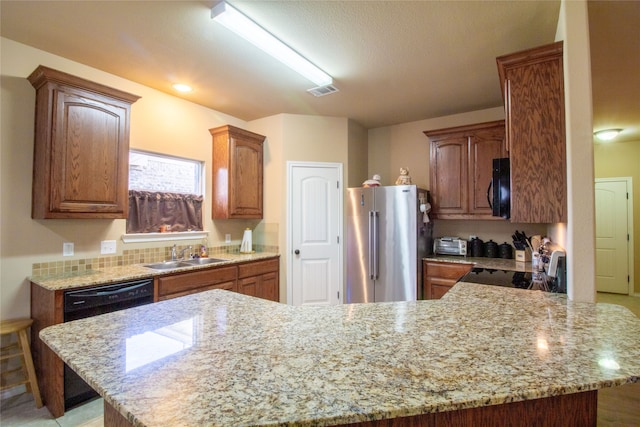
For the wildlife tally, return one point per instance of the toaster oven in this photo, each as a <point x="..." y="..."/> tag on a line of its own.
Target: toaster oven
<point x="450" y="246"/>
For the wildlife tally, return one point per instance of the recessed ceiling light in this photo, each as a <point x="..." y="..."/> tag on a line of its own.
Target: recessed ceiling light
<point x="607" y="134"/>
<point x="182" y="87"/>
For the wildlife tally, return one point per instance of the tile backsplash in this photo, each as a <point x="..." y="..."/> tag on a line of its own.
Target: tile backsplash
<point x="128" y="257"/>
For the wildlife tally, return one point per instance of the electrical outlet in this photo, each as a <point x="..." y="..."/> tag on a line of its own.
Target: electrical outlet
<point x="227" y="238"/>
<point x="67" y="249"/>
<point x="108" y="247"/>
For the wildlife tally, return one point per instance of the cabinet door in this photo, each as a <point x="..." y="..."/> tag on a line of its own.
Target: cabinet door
<point x="237" y="173"/>
<point x="448" y="167"/>
<point x="197" y="281"/>
<point x="485" y="145"/>
<point x="534" y="103"/>
<point x="260" y="279"/>
<point x="439" y="277"/>
<point x="245" y="200"/>
<point x="89" y="164"/>
<point x="81" y="152"/>
<point x="461" y="169"/>
<point x="270" y="287"/>
<point x="249" y="286"/>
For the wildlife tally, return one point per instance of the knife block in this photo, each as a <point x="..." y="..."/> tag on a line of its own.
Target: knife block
<point x="523" y="255"/>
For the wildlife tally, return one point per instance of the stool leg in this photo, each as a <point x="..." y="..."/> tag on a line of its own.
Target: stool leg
<point x="31" y="372"/>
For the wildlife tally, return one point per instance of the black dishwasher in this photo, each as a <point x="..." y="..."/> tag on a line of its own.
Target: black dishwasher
<point x="88" y="302"/>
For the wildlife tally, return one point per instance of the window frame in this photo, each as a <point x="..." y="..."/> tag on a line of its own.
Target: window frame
<point x="199" y="179"/>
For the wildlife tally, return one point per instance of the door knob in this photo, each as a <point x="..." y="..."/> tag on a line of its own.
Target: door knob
<point x="297" y="252"/>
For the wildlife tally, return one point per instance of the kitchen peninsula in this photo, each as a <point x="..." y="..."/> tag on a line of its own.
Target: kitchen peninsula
<point x="221" y="358"/>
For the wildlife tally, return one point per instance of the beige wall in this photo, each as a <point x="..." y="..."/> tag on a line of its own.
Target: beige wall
<point x="159" y="123"/>
<point x="358" y="156"/>
<point x="622" y="159"/>
<point x="298" y="138"/>
<point x="405" y="145"/>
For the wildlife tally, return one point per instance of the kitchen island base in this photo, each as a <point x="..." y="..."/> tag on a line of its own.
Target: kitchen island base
<point x="568" y="410"/>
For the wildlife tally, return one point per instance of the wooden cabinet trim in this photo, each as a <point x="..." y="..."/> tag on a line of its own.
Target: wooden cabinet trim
<point x="465" y="130"/>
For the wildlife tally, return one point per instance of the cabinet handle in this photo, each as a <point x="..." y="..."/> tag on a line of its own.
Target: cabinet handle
<point x="297" y="252"/>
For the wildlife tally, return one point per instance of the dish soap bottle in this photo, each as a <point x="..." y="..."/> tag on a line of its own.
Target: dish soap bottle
<point x="203" y="251"/>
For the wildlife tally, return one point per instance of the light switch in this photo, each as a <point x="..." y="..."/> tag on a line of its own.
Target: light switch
<point x="108" y="247"/>
<point x="227" y="238"/>
<point x="67" y="249"/>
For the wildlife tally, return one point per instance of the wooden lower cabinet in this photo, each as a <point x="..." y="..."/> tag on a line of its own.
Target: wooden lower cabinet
<point x="260" y="279"/>
<point x="177" y="285"/>
<point x="439" y="277"/>
<point x="47" y="310"/>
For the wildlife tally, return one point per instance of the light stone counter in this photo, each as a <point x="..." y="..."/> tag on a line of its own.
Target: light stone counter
<point x="482" y="262"/>
<point x="132" y="272"/>
<point x="225" y="359"/>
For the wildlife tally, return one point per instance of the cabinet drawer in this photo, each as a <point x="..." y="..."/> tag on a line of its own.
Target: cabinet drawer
<point x="447" y="270"/>
<point x="258" y="268"/>
<point x="200" y="280"/>
<point x="229" y="286"/>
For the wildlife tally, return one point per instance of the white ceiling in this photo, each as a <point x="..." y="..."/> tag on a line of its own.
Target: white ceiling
<point x="393" y="61"/>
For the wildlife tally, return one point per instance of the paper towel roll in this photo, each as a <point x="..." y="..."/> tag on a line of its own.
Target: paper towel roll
<point x="247" y="245"/>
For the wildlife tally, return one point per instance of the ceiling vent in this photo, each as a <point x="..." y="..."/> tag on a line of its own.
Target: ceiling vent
<point x="322" y="90"/>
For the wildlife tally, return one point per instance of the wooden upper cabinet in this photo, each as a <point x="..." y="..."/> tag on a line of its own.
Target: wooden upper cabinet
<point x="81" y="150"/>
<point x="237" y="173"/>
<point x="461" y="169"/>
<point x="533" y="89"/>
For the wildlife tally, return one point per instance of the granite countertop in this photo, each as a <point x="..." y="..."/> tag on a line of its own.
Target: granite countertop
<point x="482" y="262"/>
<point x="133" y="272"/>
<point x="222" y="358"/>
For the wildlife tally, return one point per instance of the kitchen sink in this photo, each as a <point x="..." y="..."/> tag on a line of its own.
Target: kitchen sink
<point x="171" y="265"/>
<point x="167" y="265"/>
<point x="203" y="261"/>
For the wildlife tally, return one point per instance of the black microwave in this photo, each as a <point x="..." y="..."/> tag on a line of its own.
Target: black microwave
<point x="500" y="202"/>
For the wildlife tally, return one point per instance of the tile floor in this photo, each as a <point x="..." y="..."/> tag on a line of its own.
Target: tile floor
<point x="617" y="407"/>
<point x="20" y="411"/>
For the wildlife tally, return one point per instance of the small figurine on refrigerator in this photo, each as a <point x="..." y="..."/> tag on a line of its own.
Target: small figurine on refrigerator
<point x="404" y="178"/>
<point x="373" y="182"/>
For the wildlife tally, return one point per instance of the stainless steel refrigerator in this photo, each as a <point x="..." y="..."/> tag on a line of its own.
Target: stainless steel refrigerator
<point x="387" y="237"/>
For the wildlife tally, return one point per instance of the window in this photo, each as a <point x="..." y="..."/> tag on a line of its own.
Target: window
<point x="159" y="172"/>
<point x="165" y="193"/>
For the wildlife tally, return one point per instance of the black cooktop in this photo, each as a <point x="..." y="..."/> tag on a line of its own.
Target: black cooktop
<point x="510" y="279"/>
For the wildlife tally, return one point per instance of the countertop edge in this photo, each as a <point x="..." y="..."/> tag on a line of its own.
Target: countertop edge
<point x="482" y="262"/>
<point x="134" y="272"/>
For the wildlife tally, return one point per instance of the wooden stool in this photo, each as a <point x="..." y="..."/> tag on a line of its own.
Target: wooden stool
<point x="22" y="350"/>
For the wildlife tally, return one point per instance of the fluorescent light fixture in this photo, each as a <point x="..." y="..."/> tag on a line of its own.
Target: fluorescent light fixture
<point x="252" y="32"/>
<point x="607" y="134"/>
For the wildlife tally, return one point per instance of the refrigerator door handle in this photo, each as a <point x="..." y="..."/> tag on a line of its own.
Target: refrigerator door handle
<point x="375" y="247"/>
<point x="370" y="240"/>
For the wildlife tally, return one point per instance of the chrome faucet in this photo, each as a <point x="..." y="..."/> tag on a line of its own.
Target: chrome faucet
<point x="175" y="252"/>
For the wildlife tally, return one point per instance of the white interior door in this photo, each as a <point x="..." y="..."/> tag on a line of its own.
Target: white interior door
<point x="315" y="227"/>
<point x="612" y="234"/>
